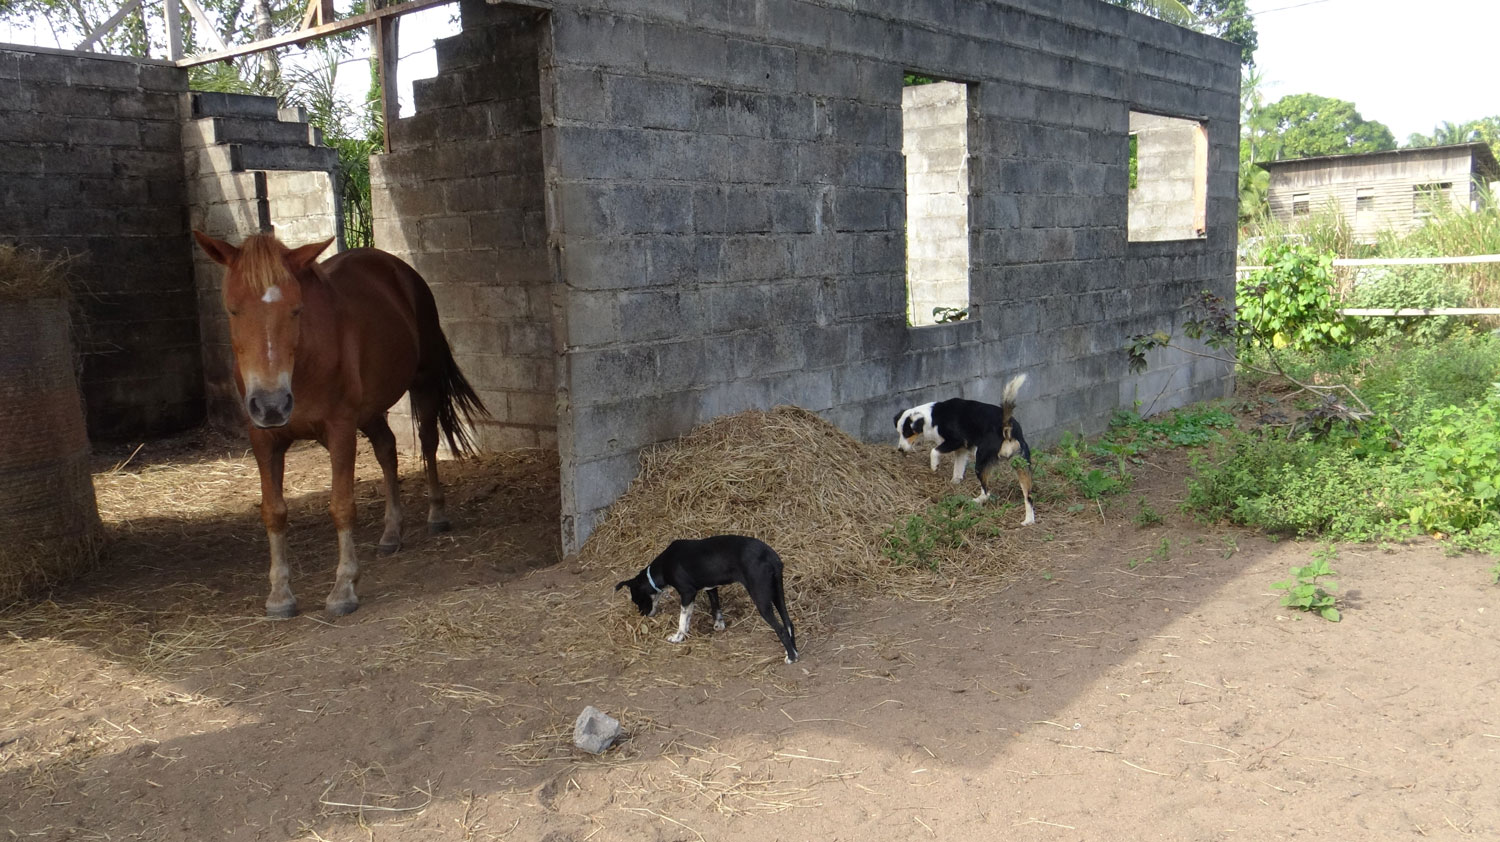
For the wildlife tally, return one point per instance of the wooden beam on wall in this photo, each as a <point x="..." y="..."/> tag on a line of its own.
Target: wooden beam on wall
<point x="386" y="59"/>
<point x="353" y="22"/>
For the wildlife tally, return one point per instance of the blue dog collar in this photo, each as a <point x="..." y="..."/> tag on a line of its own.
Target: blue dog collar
<point x="654" y="587"/>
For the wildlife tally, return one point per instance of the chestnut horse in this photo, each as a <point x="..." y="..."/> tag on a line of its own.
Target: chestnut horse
<point x="322" y="350"/>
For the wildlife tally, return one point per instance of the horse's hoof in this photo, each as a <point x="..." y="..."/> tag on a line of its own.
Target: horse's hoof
<point x="281" y="612"/>
<point x="387" y="549"/>
<point x="438" y="527"/>
<point x="339" y="609"/>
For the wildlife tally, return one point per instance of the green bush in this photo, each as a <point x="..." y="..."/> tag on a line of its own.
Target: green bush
<point x="1455" y="454"/>
<point x="1289" y="303"/>
<point x="1409" y="286"/>
<point x="1406" y="382"/>
<point x="1299" y="488"/>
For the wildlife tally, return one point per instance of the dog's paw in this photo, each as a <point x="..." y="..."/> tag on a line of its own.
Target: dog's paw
<point x="676" y="637"/>
<point x="789" y="659"/>
<point x="718" y="625"/>
<point x="982" y="497"/>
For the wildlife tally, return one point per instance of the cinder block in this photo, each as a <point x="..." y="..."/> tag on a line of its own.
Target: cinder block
<point x="589" y="39"/>
<point x="651" y="103"/>
<point x="694" y="54"/>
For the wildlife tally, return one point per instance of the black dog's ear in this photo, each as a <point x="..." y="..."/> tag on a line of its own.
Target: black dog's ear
<point x="896" y="422"/>
<point x="622" y="584"/>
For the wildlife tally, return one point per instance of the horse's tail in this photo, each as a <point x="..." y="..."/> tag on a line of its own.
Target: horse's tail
<point x="457" y="403"/>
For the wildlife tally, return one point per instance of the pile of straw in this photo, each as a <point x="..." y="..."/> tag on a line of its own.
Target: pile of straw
<point x="28" y="275"/>
<point x="822" y="499"/>
<point x="47" y="509"/>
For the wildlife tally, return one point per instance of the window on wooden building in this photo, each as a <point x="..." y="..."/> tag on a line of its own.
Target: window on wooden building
<point x="1425" y="198"/>
<point x="1301" y="204"/>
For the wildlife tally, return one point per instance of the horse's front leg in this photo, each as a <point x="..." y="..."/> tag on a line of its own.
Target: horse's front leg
<point x="270" y="458"/>
<point x="341" y="448"/>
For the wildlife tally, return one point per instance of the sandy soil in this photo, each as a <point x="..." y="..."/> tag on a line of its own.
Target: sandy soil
<point x="1124" y="683"/>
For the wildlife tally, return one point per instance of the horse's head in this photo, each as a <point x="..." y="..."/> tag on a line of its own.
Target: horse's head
<point x="263" y="295"/>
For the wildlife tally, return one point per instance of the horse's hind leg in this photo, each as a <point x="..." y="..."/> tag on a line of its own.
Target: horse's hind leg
<point x="270" y="458"/>
<point x="425" y="404"/>
<point x="341" y="448"/>
<point x="383" y="441"/>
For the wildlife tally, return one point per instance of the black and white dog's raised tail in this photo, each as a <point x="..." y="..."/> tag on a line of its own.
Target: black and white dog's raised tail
<point x="972" y="429"/>
<point x="694" y="565"/>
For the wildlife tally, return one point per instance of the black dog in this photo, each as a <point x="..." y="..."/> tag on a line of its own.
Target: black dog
<point x="691" y="566"/>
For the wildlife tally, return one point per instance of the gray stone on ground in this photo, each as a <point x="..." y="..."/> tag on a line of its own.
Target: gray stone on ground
<point x="595" y="730"/>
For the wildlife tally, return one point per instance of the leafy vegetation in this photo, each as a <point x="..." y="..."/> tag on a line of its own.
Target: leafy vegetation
<point x="1104" y="467"/>
<point x="947" y="525"/>
<point x="1308" y="125"/>
<point x="1290" y="302"/>
<point x="1304" y="590"/>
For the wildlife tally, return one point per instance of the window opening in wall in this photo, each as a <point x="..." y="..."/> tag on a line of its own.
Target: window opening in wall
<point x="1301" y="204"/>
<point x="1168" y="167"/>
<point x="1424" y="197"/>
<point x="935" y="120"/>
<point x="1364" y="199"/>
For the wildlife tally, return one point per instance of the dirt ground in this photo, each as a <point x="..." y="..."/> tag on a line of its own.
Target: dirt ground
<point x="1125" y="682"/>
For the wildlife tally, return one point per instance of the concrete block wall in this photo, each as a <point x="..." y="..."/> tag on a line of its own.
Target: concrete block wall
<point x="461" y="197"/>
<point x="304" y="207"/>
<point x="91" y="166"/>
<point x="935" y="145"/>
<point x="727" y="198"/>
<point x="1166" y="202"/>
<point x="249" y="166"/>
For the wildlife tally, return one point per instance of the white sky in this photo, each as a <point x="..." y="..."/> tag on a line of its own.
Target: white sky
<point x="1409" y="65"/>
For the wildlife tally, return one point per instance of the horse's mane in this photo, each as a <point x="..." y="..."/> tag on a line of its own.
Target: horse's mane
<point x="262" y="262"/>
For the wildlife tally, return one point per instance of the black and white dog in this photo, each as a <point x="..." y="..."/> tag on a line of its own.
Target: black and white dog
<point x="691" y="566"/>
<point x="972" y="429"/>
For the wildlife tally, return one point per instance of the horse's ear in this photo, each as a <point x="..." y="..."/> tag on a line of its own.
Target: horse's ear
<point x="302" y="257"/>
<point x="221" y="252"/>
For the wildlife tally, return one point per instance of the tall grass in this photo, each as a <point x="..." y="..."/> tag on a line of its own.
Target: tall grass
<point x="1452" y="232"/>
<point x="1449" y="232"/>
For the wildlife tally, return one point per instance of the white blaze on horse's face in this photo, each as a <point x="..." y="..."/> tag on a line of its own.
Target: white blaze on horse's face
<point x="264" y="300"/>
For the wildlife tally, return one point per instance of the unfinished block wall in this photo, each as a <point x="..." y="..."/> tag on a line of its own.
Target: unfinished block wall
<point x="461" y="197"/>
<point x="729" y="200"/>
<point x="91" y="168"/>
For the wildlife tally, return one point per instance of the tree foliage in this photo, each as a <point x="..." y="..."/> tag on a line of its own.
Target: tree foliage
<point x="1485" y="130"/>
<point x="1308" y="125"/>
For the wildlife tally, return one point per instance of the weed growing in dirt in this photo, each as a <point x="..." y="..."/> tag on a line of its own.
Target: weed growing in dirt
<point x="1147" y="515"/>
<point x="946" y="525"/>
<point x="1306" y="593"/>
<point x="1103" y="467"/>
<point x="1162" y="552"/>
<point x="1427" y="461"/>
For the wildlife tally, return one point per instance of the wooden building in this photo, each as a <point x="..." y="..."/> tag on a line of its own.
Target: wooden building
<point x="1378" y="191"/>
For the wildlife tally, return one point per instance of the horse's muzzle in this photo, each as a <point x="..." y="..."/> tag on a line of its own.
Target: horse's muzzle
<point x="269" y="407"/>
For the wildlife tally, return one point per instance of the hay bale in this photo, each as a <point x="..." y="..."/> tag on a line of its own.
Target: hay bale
<point x="47" y="509"/>
<point x="822" y="499"/>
